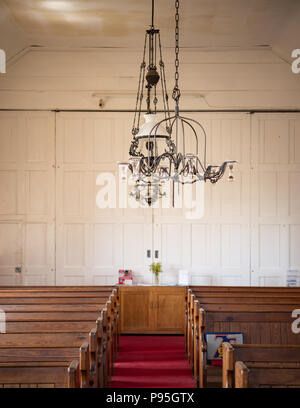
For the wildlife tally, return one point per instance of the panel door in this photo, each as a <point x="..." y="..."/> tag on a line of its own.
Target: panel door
<point x="214" y="246"/>
<point x="27" y="175"/>
<point x="167" y="310"/>
<point x="135" y="310"/>
<point x="275" y="206"/>
<point x="94" y="242"/>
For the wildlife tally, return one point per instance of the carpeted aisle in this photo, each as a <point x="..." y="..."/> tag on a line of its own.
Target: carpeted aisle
<point x="152" y="362"/>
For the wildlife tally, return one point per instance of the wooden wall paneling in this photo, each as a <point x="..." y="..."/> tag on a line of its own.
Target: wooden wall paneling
<point x="216" y="247"/>
<point x="94" y="243"/>
<point x="275" y="209"/>
<point x="27" y="205"/>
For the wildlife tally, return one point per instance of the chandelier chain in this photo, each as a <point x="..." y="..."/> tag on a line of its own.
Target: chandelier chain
<point x="139" y="97"/>
<point x="165" y="95"/>
<point x="176" y="90"/>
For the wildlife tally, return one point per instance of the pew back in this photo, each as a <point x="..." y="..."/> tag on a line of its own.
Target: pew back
<point x="253" y="353"/>
<point x="39" y="375"/>
<point x="267" y="375"/>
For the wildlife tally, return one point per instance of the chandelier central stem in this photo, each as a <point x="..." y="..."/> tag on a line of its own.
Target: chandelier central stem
<point x="176" y="91"/>
<point x="152" y="21"/>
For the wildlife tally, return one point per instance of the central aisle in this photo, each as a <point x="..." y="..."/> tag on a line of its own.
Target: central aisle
<point x="152" y="362"/>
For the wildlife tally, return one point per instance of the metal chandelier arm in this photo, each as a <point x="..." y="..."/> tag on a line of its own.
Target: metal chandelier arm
<point x="214" y="173"/>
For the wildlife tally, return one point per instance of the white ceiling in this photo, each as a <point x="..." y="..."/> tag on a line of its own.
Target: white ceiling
<point x="121" y="23"/>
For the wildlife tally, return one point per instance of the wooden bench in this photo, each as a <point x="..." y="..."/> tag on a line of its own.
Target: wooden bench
<point x="247" y="289"/>
<point x="220" y="302"/>
<point x="210" y="294"/>
<point x="59" y="302"/>
<point x="62" y="347"/>
<point x="6" y="294"/>
<point x="63" y="311"/>
<point x="43" y="348"/>
<point x="258" y="323"/>
<point x="267" y="375"/>
<point x="81" y="289"/>
<point x="234" y="303"/>
<point x="71" y="322"/>
<point x="254" y="353"/>
<point x="39" y="374"/>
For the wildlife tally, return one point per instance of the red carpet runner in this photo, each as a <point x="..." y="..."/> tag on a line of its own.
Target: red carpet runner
<point x="152" y="362"/>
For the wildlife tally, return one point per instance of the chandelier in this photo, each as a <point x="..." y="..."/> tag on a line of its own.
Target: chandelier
<point x="158" y="150"/>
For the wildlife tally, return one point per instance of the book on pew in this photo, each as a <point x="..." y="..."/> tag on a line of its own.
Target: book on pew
<point x="214" y="344"/>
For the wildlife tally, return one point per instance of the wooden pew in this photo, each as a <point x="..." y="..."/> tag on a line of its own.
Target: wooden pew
<point x="39" y="375"/>
<point x="97" y="347"/>
<point x="64" y="302"/>
<point x="254" y="353"/>
<point x="236" y="298"/>
<point x="59" y="288"/>
<point x="17" y="308"/>
<point x="229" y="299"/>
<point x="258" y="323"/>
<point x="16" y="356"/>
<point x="52" y="299"/>
<point x="51" y="311"/>
<point x="102" y="295"/>
<point x="247" y="289"/>
<point x="211" y="295"/>
<point x="44" y="346"/>
<point x="267" y="375"/>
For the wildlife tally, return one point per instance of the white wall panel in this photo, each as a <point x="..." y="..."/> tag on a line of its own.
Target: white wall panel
<point x="294" y="193"/>
<point x="275" y="205"/>
<point x="216" y="247"/>
<point x="94" y="243"/>
<point x="8" y="188"/>
<point x="27" y="215"/>
<point x="10" y="252"/>
<point x="294" y="255"/>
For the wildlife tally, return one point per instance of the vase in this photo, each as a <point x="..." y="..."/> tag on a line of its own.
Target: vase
<point x="156" y="279"/>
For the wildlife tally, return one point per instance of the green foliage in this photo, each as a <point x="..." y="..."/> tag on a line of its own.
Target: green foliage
<point x="155" y="268"/>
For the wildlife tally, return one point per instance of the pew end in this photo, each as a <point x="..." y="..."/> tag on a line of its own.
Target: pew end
<point x="202" y="349"/>
<point x="93" y="343"/>
<point x="241" y="375"/>
<point x="73" y="375"/>
<point x="227" y="366"/>
<point x="84" y="362"/>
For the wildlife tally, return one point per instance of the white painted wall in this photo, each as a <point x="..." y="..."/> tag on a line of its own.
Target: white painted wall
<point x="27" y="199"/>
<point x="210" y="79"/>
<point x="51" y="227"/>
<point x="275" y="197"/>
<point x="49" y="223"/>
